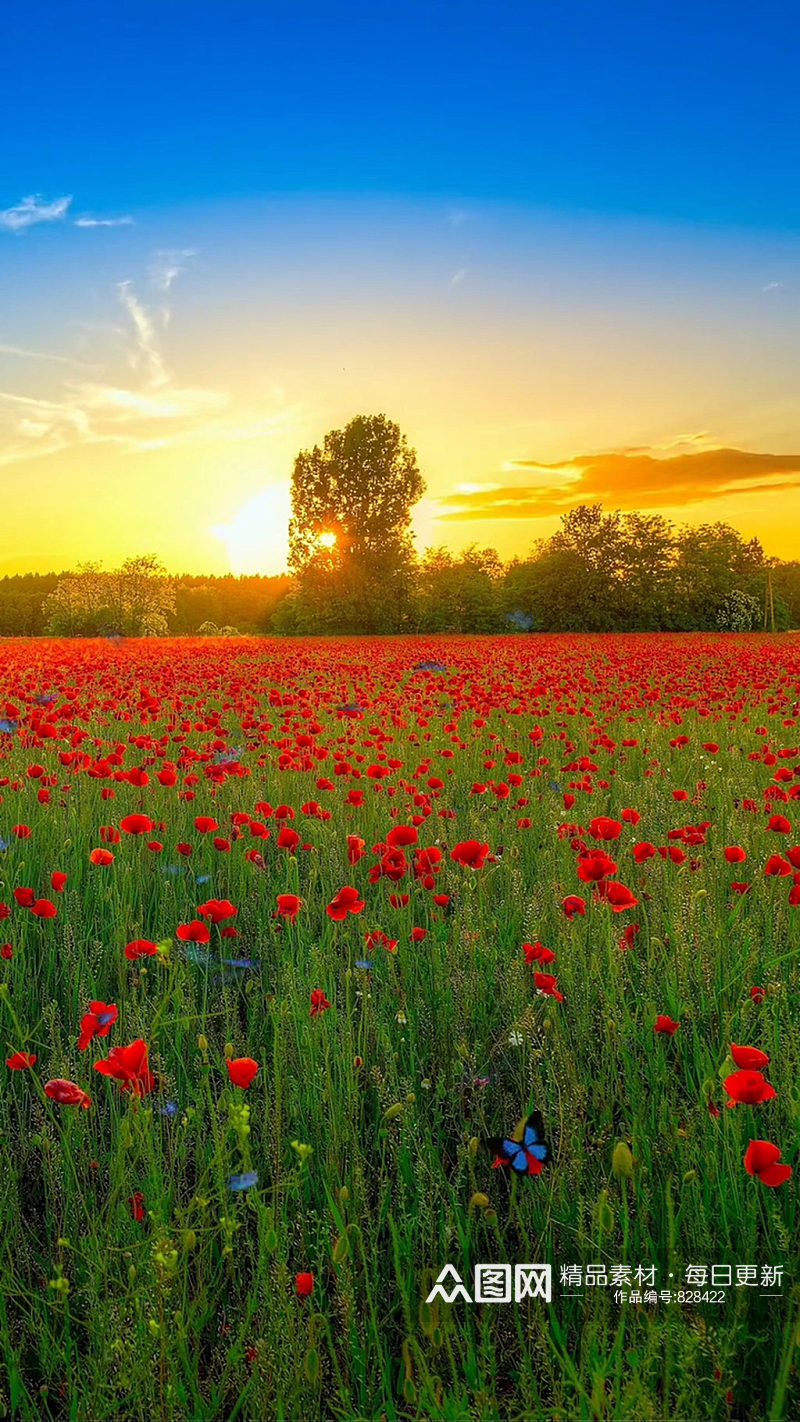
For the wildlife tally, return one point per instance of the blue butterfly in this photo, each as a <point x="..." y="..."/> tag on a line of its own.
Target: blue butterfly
<point x="243" y="1182"/>
<point x="525" y="1157"/>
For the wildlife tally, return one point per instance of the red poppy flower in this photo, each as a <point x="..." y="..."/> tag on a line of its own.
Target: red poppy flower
<point x="66" y="1093"/>
<point x="734" y="854"/>
<point x="748" y="1088"/>
<point x="626" y="941"/>
<point x="470" y="853"/>
<point x="288" y="838"/>
<point x="547" y="984"/>
<point x="128" y="1065"/>
<point x="355" y="849"/>
<point x="136" y="824"/>
<point x="303" y="1285"/>
<point x="595" y="865"/>
<point x="241" y="1071"/>
<point x="26" y="898"/>
<point x="193" y="932"/>
<point x="97" y="1022"/>
<point x="20" y="1061"/>
<point x="204" y="824"/>
<point x="537" y="953"/>
<point x="401" y="836"/>
<point x="779" y="824"/>
<point x="319" y="1002"/>
<point x="346" y="901"/>
<point x="101" y="857"/>
<point x="665" y="1024"/>
<point x="289" y="905"/>
<point x="762" y="1159"/>
<point x="573" y="904"/>
<point x="603" y="827"/>
<point x="140" y="948"/>
<point x="44" y="908"/>
<point x="616" y="895"/>
<point x="749" y="1058"/>
<point x="57" y="881"/>
<point x="217" y="910"/>
<point x="136" y="1205"/>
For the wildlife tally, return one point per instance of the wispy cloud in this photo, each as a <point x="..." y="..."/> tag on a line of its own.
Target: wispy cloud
<point x="87" y="221"/>
<point x="167" y="266"/>
<point x="151" y="411"/>
<point x="23" y="353"/>
<point x="457" y="277"/>
<point x="147" y="355"/>
<point x="629" y="480"/>
<point x="31" y="210"/>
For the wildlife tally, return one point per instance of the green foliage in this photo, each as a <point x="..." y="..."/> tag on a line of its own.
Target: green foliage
<point x="349" y="539"/>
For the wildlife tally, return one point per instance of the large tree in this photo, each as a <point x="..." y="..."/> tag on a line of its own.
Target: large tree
<point x="349" y="536"/>
<point x="359" y="488"/>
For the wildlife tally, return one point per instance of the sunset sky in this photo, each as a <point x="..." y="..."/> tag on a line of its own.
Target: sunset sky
<point x="558" y="243"/>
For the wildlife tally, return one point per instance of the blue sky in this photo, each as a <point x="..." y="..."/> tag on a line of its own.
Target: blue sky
<point x="672" y="110"/>
<point x="539" y="237"/>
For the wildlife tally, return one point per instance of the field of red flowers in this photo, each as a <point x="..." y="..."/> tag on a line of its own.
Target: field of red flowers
<point x="295" y="936"/>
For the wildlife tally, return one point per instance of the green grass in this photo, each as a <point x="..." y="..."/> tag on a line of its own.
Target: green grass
<point x="192" y="1312"/>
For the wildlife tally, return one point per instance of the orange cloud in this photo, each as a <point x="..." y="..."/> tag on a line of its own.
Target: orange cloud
<point x="631" y="479"/>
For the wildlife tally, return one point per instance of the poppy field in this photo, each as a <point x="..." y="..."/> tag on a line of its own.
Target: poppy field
<point x="295" y="935"/>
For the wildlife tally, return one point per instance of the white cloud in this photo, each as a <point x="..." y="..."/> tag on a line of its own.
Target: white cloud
<point x="31" y="210"/>
<point x="24" y="354"/>
<point x="117" y="403"/>
<point x="87" y="221"/>
<point x="167" y="266"/>
<point x="457" y="277"/>
<point x="147" y="353"/>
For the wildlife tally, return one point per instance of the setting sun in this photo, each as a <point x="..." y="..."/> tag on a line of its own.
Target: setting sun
<point x="327" y="540"/>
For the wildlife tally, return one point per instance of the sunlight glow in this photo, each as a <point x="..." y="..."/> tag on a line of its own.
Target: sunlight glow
<point x="256" y="537"/>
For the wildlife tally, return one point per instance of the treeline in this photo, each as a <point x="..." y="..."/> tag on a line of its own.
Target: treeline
<point x="27" y="606"/>
<point x="599" y="573"/>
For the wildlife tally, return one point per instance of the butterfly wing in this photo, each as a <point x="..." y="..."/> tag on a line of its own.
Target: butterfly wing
<point x="516" y="1153"/>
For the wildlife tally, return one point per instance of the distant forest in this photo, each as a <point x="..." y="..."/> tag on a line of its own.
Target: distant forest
<point x="599" y="573"/>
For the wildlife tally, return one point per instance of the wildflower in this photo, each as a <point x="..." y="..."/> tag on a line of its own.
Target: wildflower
<point x="749" y="1058"/>
<point x="128" y="1065"/>
<point x="748" y="1088"/>
<point x="241" y="1071"/>
<point x="319" y="1002"/>
<point x="193" y="932"/>
<point x="217" y="910"/>
<point x="303" y="1285"/>
<point x="470" y="853"/>
<point x="140" y="948"/>
<point x="345" y="901"/>
<point x="666" y="1025"/>
<point x="289" y="905"/>
<point x="21" y="1061"/>
<point x="96" y="1022"/>
<point x="762" y="1159"/>
<point x="136" y="824"/>
<point x="66" y="1093"/>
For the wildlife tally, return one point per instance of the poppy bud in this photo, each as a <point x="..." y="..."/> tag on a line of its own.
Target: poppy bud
<point x="394" y="1112"/>
<point x="479" y="1201"/>
<point x="622" y="1161"/>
